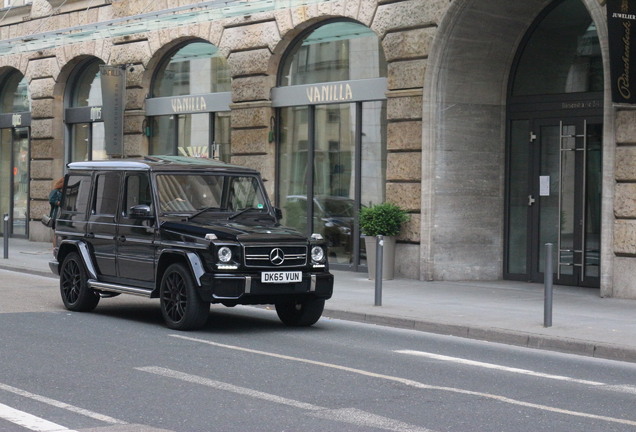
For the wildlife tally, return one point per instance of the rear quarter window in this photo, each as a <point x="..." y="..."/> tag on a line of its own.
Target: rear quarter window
<point x="76" y="194"/>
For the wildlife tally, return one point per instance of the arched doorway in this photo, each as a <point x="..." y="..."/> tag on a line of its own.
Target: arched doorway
<point x="464" y="138"/>
<point x="554" y="149"/>
<point x="331" y="152"/>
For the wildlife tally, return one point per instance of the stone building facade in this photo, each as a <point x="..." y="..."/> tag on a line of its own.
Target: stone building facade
<point x="454" y="88"/>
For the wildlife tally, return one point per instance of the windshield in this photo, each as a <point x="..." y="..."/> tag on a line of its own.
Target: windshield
<point x="192" y="194"/>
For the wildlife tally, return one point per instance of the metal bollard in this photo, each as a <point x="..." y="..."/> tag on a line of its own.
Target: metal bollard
<point x="379" y="250"/>
<point x="547" y="297"/>
<point x="6" y="236"/>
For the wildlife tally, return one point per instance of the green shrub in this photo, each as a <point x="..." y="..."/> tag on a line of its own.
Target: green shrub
<point x="382" y="219"/>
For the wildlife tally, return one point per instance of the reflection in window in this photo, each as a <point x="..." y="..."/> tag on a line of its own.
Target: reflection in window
<point x="563" y="54"/>
<point x="107" y="194"/>
<point x="337" y="51"/>
<point x="87" y="87"/>
<point x="197" y="68"/>
<point x="14" y="96"/>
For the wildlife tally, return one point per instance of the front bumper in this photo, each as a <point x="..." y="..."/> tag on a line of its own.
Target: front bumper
<point x="55" y="267"/>
<point x="248" y="288"/>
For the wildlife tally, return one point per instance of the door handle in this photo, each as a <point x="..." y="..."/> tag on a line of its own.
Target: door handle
<point x="89" y="235"/>
<point x="121" y="238"/>
<point x="531" y="200"/>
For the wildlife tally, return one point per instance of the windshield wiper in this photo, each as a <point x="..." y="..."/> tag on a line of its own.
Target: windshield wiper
<point x="202" y="210"/>
<point x="245" y="210"/>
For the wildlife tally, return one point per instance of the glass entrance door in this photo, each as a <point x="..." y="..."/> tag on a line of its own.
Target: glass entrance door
<point x="554" y="196"/>
<point x="14" y="192"/>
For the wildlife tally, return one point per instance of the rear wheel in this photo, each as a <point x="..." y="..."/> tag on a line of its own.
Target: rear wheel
<point x="76" y="294"/>
<point x="181" y="307"/>
<point x="300" y="313"/>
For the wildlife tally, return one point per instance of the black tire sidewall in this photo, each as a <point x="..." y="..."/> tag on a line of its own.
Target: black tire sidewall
<point x="87" y="299"/>
<point x="308" y="314"/>
<point x="196" y="311"/>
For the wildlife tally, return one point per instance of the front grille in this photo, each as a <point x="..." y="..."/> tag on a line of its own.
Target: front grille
<point x="259" y="256"/>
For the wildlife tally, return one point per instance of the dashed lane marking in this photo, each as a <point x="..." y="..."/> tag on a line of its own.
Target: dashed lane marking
<point x="30" y="421"/>
<point x="617" y="388"/>
<point x="59" y="404"/>
<point x="347" y="415"/>
<point x="414" y="384"/>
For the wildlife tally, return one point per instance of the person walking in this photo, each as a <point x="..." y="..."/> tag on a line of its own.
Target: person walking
<point x="55" y="198"/>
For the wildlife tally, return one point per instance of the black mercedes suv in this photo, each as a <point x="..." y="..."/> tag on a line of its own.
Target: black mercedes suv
<point x="188" y="231"/>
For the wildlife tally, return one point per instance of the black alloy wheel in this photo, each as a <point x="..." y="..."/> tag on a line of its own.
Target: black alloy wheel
<point x="181" y="307"/>
<point x="76" y="294"/>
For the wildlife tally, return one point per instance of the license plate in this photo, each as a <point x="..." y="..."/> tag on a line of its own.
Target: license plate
<point x="281" y="277"/>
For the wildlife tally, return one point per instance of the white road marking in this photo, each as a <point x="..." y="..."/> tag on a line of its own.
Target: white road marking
<point x="414" y="384"/>
<point x="347" y="415"/>
<point x="617" y="388"/>
<point x="497" y="367"/>
<point x="29" y="421"/>
<point x="59" y="404"/>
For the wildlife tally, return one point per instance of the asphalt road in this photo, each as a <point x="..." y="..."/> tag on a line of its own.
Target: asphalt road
<point x="119" y="369"/>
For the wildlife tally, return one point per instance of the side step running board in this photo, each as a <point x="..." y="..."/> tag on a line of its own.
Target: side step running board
<point x="122" y="289"/>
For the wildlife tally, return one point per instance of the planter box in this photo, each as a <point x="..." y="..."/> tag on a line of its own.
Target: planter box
<point x="388" y="257"/>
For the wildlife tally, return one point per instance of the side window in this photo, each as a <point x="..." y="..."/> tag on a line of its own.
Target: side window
<point x="137" y="191"/>
<point x="106" y="194"/>
<point x="76" y="194"/>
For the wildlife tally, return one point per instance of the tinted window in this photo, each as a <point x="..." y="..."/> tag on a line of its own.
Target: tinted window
<point x="137" y="191"/>
<point x="76" y="196"/>
<point x="106" y="193"/>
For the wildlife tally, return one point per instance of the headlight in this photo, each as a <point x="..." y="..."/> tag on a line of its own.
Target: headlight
<point x="317" y="254"/>
<point x="225" y="254"/>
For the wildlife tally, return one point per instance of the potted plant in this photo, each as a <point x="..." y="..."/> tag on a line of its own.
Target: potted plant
<point x="384" y="219"/>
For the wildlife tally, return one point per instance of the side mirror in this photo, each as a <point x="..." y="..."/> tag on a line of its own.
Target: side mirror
<point x="140" y="211"/>
<point x="278" y="212"/>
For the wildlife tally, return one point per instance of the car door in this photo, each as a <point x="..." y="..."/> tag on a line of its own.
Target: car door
<point x="137" y="230"/>
<point x="101" y="228"/>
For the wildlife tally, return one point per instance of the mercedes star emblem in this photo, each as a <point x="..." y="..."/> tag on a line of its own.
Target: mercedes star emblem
<point x="277" y="256"/>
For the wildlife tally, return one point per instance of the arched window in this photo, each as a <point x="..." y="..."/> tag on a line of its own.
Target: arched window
<point x="189" y="109"/>
<point x="84" y="113"/>
<point x="563" y="55"/>
<point x="15" y="119"/>
<point x="332" y="134"/>
<point x="338" y="51"/>
<point x="14" y="95"/>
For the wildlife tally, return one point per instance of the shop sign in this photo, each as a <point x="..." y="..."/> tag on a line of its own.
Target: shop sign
<point x="209" y="102"/>
<point x="113" y="80"/>
<point x="328" y="93"/>
<point x="96" y="113"/>
<point x="189" y="104"/>
<point x="621" y="23"/>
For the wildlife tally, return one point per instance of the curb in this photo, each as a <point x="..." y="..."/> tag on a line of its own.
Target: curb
<point x="495" y="335"/>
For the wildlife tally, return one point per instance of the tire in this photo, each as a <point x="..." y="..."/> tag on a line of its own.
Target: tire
<point x="76" y="294"/>
<point x="181" y="307"/>
<point x="296" y="313"/>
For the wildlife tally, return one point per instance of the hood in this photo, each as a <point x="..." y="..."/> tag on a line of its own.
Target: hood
<point x="242" y="231"/>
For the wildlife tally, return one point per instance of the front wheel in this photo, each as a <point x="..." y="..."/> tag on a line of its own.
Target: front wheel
<point x="76" y="294"/>
<point x="297" y="313"/>
<point x="181" y="307"/>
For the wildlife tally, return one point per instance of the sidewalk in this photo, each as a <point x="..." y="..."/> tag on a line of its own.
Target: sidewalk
<point x="499" y="311"/>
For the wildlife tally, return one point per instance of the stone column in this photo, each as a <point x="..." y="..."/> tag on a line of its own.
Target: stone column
<point x="624" y="284"/>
